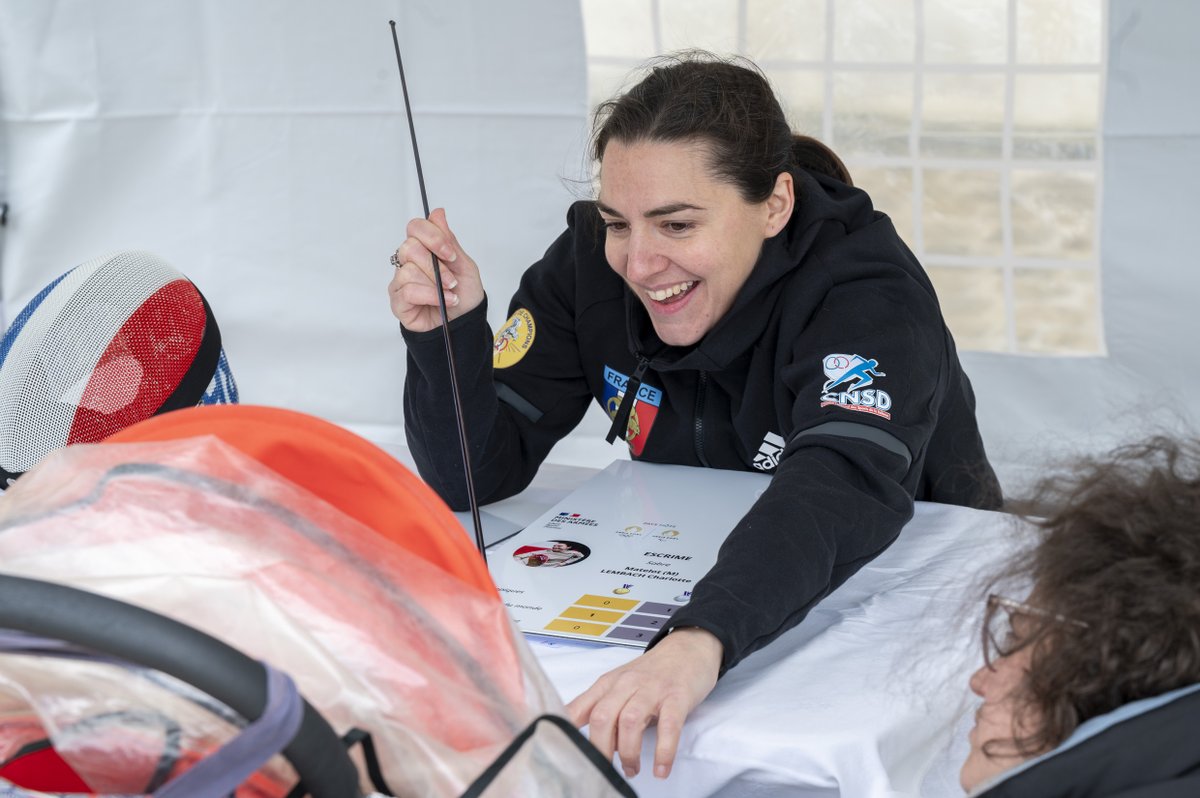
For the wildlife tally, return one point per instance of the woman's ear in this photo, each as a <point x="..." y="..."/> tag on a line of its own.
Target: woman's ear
<point x="780" y="204"/>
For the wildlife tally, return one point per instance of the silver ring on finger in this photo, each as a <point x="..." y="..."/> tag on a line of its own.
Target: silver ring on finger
<point x="396" y="260"/>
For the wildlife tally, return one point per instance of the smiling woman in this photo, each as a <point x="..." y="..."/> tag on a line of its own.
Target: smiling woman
<point x="685" y="261"/>
<point x="731" y="301"/>
<point x="1088" y="684"/>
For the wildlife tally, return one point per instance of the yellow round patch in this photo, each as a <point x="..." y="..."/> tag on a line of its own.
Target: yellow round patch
<point x="514" y="339"/>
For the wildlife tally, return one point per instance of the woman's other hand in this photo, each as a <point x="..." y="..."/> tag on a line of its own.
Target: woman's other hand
<point x="662" y="686"/>
<point x="413" y="294"/>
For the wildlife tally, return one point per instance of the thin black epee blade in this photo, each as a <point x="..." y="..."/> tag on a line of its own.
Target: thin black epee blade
<point x="437" y="279"/>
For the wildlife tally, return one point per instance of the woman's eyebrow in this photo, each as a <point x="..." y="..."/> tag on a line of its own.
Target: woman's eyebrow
<point x="674" y="207"/>
<point x="665" y="210"/>
<point x="607" y="211"/>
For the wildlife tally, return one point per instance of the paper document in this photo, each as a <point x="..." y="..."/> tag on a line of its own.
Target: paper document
<point x="618" y="556"/>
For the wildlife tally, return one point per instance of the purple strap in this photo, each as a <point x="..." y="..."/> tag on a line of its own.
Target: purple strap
<point x="221" y="772"/>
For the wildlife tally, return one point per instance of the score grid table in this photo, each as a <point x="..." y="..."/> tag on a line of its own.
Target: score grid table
<point x="613" y="618"/>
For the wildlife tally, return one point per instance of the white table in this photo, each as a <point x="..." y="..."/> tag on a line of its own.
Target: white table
<point x="867" y="697"/>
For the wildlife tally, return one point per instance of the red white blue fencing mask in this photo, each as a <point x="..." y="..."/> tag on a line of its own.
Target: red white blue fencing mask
<point x="113" y="341"/>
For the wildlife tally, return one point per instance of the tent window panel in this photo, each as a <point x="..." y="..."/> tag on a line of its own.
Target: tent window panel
<point x="872" y="113"/>
<point x="961" y="212"/>
<point x="962" y="116"/>
<point x="1059" y="31"/>
<point x="802" y="93"/>
<point x="785" y="30"/>
<point x="972" y="300"/>
<point x="707" y="24"/>
<point x="623" y="29"/>
<point x="974" y="124"/>
<point x="1055" y="311"/>
<point x="1056" y="117"/>
<point x="874" y="31"/>
<point x="966" y="31"/>
<point x="1053" y="215"/>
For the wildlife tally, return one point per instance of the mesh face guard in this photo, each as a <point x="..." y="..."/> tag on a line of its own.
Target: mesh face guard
<point x="113" y="341"/>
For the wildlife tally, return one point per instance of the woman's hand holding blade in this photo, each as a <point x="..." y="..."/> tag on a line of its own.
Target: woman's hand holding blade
<point x="413" y="292"/>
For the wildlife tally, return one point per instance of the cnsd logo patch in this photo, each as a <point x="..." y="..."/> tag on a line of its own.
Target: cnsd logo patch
<point x="514" y="339"/>
<point x="846" y="386"/>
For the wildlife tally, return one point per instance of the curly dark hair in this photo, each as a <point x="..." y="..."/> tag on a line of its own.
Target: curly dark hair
<point x="726" y="103"/>
<point x="1119" y="551"/>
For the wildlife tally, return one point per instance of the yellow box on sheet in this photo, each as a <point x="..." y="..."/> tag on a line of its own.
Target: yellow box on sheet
<point x="577" y="627"/>
<point x="588" y="614"/>
<point x="607" y="602"/>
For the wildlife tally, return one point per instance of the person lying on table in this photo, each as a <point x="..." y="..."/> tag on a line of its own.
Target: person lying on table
<point x="1091" y="685"/>
<point x="732" y="302"/>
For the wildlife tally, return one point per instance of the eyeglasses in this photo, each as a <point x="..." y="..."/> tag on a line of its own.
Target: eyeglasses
<point x="999" y="635"/>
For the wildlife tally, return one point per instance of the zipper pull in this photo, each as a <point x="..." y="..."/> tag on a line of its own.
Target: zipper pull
<point x="621" y="417"/>
<point x="698" y="421"/>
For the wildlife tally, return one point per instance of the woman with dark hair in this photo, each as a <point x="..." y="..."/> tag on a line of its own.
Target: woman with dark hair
<point x="732" y="302"/>
<point x="1091" y="686"/>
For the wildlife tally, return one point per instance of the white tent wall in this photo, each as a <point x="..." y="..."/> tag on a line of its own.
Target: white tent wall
<point x="262" y="149"/>
<point x="1038" y="408"/>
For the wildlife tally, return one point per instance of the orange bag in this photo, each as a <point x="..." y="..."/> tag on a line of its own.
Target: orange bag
<point x="349" y="472"/>
<point x="350" y="575"/>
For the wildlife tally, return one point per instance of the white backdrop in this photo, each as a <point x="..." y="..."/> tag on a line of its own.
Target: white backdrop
<point x="1034" y="407"/>
<point x="262" y="149"/>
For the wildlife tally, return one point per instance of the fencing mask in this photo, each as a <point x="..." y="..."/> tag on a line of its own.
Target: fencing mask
<point x="113" y="341"/>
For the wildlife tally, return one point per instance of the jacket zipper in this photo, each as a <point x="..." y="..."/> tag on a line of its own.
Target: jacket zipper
<point x="621" y="418"/>
<point x="699" y="422"/>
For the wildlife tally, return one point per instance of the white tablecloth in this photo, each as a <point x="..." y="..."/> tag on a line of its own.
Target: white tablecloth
<point x="862" y="699"/>
<point x="867" y="697"/>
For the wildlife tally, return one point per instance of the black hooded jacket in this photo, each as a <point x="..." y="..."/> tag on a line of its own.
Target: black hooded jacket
<point x="1152" y="754"/>
<point x="833" y="371"/>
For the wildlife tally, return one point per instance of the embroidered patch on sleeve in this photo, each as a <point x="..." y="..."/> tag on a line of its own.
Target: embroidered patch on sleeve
<point x="645" y="407"/>
<point x="847" y="378"/>
<point x="514" y="339"/>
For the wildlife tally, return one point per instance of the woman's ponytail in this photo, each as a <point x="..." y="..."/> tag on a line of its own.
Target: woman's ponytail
<point x="813" y="156"/>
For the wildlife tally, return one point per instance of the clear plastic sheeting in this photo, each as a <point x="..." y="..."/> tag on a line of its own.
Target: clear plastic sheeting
<point x="124" y="731"/>
<point x="374" y="636"/>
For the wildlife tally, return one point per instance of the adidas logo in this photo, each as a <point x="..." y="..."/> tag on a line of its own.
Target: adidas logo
<point x="768" y="452"/>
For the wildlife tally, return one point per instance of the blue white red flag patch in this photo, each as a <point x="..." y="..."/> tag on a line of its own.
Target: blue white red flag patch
<point x="847" y="378"/>
<point x="645" y="407"/>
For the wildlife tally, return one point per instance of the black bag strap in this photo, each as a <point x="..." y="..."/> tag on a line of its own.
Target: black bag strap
<point x="357" y="736"/>
<point x="573" y="734"/>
